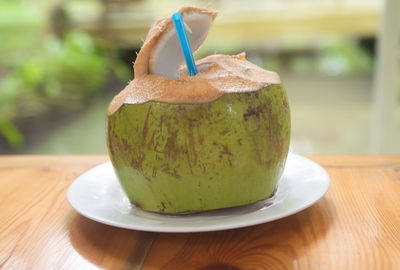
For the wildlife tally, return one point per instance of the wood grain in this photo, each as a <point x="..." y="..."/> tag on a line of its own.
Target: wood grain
<point x="355" y="226"/>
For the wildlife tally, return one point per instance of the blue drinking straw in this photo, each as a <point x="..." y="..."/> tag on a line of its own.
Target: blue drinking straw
<point x="185" y="45"/>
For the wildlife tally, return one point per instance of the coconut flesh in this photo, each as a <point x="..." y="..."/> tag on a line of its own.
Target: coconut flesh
<point x="159" y="76"/>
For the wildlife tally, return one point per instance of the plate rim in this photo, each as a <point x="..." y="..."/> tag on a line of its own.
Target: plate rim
<point x="205" y="228"/>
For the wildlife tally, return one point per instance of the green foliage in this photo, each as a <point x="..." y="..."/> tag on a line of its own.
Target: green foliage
<point x="335" y="57"/>
<point x="11" y="133"/>
<point x="59" y="76"/>
<point x="345" y="57"/>
<point x="21" y="24"/>
<point x="42" y="74"/>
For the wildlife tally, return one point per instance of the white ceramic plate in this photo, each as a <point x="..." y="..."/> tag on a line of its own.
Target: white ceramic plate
<point x="97" y="195"/>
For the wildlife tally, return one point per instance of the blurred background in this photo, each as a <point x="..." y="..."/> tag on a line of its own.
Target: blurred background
<point x="62" y="61"/>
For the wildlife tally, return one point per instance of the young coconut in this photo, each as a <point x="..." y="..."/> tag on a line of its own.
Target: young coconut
<point x="182" y="144"/>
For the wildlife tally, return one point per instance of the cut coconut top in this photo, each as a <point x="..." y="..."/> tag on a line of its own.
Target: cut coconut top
<point x="159" y="78"/>
<point x="161" y="53"/>
<point x="218" y="75"/>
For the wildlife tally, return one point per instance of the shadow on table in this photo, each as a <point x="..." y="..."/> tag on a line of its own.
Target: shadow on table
<point x="109" y="247"/>
<point x="277" y="244"/>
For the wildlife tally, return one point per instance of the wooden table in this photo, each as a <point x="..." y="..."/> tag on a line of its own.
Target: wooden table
<point x="356" y="225"/>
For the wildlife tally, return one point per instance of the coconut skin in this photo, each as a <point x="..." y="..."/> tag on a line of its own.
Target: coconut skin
<point x="185" y="158"/>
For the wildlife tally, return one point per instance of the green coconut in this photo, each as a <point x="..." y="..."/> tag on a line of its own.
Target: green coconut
<point x="182" y="144"/>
